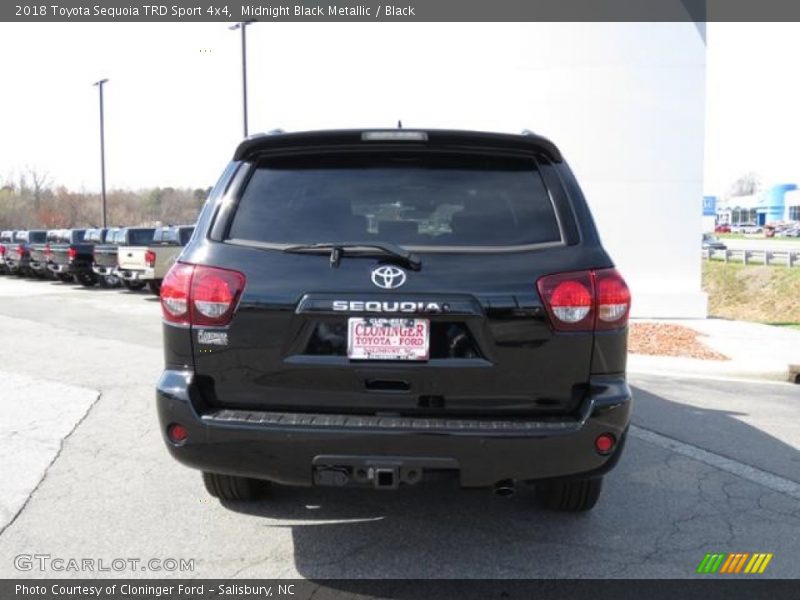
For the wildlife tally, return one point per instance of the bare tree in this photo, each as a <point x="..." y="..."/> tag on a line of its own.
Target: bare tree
<point x="40" y="183"/>
<point x="748" y="184"/>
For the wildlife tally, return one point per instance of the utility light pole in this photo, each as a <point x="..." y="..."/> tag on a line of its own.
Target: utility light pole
<point x="99" y="85"/>
<point x="243" y="26"/>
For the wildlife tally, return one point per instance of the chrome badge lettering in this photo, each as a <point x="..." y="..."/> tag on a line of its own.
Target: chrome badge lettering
<point x="391" y="306"/>
<point x="213" y="338"/>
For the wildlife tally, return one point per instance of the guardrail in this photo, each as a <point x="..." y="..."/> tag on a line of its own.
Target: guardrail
<point x="786" y="258"/>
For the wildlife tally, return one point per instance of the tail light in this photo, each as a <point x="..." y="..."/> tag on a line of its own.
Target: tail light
<point x="150" y="258"/>
<point x="72" y="253"/>
<point x="21" y="251"/>
<point x="200" y="295"/>
<point x="613" y="299"/>
<point x="47" y="252"/>
<point x="2" y="250"/>
<point x="594" y="300"/>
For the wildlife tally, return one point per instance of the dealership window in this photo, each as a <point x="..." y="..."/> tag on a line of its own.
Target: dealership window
<point x="794" y="213"/>
<point x="743" y="216"/>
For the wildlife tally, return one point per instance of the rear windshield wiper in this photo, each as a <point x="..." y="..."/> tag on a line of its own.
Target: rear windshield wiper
<point x="338" y="249"/>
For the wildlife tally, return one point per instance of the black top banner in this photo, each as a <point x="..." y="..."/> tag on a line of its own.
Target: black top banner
<point x="403" y="10"/>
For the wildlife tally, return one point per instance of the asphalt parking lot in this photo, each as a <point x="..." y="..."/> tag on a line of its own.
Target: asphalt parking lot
<point x="710" y="466"/>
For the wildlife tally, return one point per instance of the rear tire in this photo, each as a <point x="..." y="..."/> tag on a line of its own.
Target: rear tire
<point x="155" y="286"/>
<point x="232" y="488"/>
<point x="87" y="279"/>
<point x="133" y="286"/>
<point x="569" y="495"/>
<point x="109" y="281"/>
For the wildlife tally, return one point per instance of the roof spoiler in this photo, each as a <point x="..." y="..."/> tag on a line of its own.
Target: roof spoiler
<point x="274" y="141"/>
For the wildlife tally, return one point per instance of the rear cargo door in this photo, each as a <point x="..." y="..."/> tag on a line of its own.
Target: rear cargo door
<point x="350" y="327"/>
<point x="132" y="258"/>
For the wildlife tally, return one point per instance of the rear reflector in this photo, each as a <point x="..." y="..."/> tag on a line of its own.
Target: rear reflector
<point x="605" y="443"/>
<point x="200" y="295"/>
<point x="586" y="300"/>
<point x="177" y="433"/>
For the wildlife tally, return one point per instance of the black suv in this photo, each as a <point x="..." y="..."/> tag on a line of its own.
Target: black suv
<point x="370" y="307"/>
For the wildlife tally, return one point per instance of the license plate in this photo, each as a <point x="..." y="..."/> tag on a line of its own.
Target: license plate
<point x="387" y="339"/>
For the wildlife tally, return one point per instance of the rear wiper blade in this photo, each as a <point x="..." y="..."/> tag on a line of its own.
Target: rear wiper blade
<point x="339" y="249"/>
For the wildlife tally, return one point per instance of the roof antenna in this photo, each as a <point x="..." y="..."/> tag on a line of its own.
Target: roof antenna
<point x="399" y="124"/>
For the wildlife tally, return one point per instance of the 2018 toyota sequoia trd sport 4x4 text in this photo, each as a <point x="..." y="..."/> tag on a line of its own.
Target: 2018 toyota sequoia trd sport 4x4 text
<point x="369" y="308"/>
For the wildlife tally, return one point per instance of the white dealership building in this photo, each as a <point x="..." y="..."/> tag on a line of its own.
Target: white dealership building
<point x="625" y="102"/>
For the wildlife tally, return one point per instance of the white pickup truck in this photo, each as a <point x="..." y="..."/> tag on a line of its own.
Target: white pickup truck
<point x="140" y="265"/>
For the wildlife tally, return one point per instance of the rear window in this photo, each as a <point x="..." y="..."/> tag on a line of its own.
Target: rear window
<point x="94" y="235"/>
<point x="37" y="237"/>
<point x="409" y="200"/>
<point x="140" y="237"/>
<point x="185" y="234"/>
<point x="164" y="235"/>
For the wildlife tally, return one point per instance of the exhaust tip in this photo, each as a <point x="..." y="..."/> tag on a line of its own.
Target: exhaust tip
<point x="505" y="488"/>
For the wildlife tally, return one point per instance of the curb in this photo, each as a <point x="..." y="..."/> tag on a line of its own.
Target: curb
<point x="679" y="366"/>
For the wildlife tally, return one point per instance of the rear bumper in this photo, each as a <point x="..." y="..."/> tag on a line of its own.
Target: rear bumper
<point x="136" y="275"/>
<point x="59" y="269"/>
<point x="74" y="268"/>
<point x="285" y="447"/>
<point x="15" y="264"/>
<point x="104" y="271"/>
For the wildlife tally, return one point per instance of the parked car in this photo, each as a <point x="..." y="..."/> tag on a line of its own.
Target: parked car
<point x="149" y="264"/>
<point x="368" y="308"/>
<point x="130" y="241"/>
<point x="8" y="239"/>
<point x="722" y="228"/>
<point x="747" y="228"/>
<point x="104" y="256"/>
<point x="712" y="243"/>
<point x="18" y="256"/>
<point x="71" y="257"/>
<point x="40" y="254"/>
<point x="790" y="232"/>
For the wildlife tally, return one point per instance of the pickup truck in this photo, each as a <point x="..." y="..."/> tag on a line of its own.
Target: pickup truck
<point x="40" y="254"/>
<point x="18" y="256"/>
<point x="128" y="242"/>
<point x="105" y="260"/>
<point x="149" y="264"/>
<point x="8" y="239"/>
<point x="104" y="257"/>
<point x="71" y="257"/>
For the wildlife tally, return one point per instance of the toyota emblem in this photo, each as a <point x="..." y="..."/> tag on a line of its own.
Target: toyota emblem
<point x="388" y="277"/>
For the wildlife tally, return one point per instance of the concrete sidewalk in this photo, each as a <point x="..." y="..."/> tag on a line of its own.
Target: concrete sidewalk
<point x="756" y="351"/>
